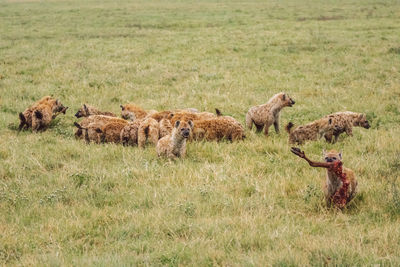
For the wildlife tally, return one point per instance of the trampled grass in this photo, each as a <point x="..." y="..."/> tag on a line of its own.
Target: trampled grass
<point x="63" y="202"/>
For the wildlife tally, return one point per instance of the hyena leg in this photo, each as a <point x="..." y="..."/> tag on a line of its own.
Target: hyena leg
<point x="336" y="138"/>
<point x="276" y="126"/>
<point x="266" y="128"/>
<point x="36" y="125"/>
<point x="259" y="128"/>
<point x="328" y="137"/>
<point x="349" y="131"/>
<point x="249" y="121"/>
<point x="142" y="137"/>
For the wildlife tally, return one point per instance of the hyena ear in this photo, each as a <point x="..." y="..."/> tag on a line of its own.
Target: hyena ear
<point x="177" y="124"/>
<point x="330" y="121"/>
<point x="122" y="107"/>
<point x="361" y="117"/>
<point x="284" y="97"/>
<point x="85" y="108"/>
<point x="340" y="155"/>
<point x="191" y="124"/>
<point x="58" y="102"/>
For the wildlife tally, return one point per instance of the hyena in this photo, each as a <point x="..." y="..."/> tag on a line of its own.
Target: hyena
<point x="174" y="145"/>
<point x="217" y="129"/>
<point x="263" y="116"/>
<point x="344" y="122"/>
<point x="98" y="120"/>
<point x="111" y="132"/>
<point x="86" y="111"/>
<point x="26" y="116"/>
<point x="129" y="111"/>
<point x="341" y="184"/>
<point x="45" y="112"/>
<point x="311" y="131"/>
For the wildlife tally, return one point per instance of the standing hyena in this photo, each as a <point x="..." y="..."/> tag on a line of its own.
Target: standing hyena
<point x="309" y="132"/>
<point x="263" y="116"/>
<point x="344" y="122"/>
<point x="174" y="144"/>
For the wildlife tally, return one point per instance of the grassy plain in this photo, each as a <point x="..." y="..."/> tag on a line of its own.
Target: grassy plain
<point x="249" y="203"/>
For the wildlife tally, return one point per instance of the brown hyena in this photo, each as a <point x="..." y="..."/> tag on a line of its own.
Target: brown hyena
<point x="90" y="132"/>
<point x="309" y="132"/>
<point x="149" y="129"/>
<point x="129" y="134"/>
<point x="217" y="129"/>
<point x="341" y="184"/>
<point x="44" y="113"/>
<point x="128" y="109"/>
<point x="263" y="116"/>
<point x="173" y="117"/>
<point x="228" y="118"/>
<point x="344" y="122"/>
<point x="111" y="132"/>
<point x="98" y="120"/>
<point x="174" y="145"/>
<point x="26" y="116"/>
<point x="86" y="111"/>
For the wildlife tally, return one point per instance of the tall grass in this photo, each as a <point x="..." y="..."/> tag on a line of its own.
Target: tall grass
<point x="63" y="202"/>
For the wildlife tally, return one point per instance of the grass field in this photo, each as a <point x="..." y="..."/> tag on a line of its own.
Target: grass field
<point x="63" y="202"/>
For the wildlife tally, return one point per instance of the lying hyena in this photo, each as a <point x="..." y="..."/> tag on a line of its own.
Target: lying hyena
<point x="44" y="113"/>
<point x="86" y="111"/>
<point x="97" y="121"/>
<point x="26" y="116"/>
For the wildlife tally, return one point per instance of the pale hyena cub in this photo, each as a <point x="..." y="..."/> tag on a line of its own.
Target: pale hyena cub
<point x="174" y="144"/>
<point x="263" y="116"/>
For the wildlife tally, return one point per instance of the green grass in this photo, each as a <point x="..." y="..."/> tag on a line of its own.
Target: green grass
<point x="63" y="202"/>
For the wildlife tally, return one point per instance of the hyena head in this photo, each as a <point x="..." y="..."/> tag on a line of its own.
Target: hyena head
<point x="127" y="114"/>
<point x="331" y="155"/>
<point x="83" y="112"/>
<point x="362" y="121"/>
<point x="184" y="128"/>
<point x="286" y="100"/>
<point x="58" y="107"/>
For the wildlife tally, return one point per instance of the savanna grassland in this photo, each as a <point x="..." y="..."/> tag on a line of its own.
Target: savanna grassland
<point x="63" y="202"/>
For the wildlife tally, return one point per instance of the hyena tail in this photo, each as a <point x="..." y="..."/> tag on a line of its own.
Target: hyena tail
<point x="289" y="127"/>
<point x="38" y="114"/>
<point x="154" y="134"/>
<point x="218" y="112"/>
<point x="23" y="121"/>
<point x="249" y="121"/>
<point x="142" y="136"/>
<point x="77" y="125"/>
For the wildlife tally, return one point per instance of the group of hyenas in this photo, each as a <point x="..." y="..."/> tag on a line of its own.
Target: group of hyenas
<point x="168" y="130"/>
